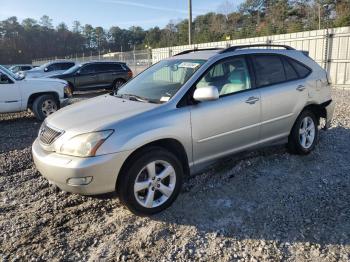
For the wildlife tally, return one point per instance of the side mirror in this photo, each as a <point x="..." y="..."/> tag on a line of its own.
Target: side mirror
<point x="77" y="72"/>
<point x="46" y="69"/>
<point x="208" y="93"/>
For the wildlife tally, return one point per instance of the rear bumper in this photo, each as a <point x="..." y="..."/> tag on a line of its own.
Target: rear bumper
<point x="330" y="105"/>
<point x="60" y="169"/>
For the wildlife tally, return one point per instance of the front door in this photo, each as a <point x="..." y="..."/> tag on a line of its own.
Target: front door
<point x="231" y="123"/>
<point x="10" y="94"/>
<point x="88" y="77"/>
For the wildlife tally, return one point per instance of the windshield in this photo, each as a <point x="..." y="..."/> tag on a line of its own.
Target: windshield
<point x="161" y="81"/>
<point x="72" y="69"/>
<point x="10" y="73"/>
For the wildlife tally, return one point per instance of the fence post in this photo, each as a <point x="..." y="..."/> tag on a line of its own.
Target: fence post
<point x="149" y="56"/>
<point x="134" y="60"/>
<point x="170" y="52"/>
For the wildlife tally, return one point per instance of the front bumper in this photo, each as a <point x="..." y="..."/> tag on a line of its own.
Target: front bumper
<point x="58" y="169"/>
<point x="64" y="102"/>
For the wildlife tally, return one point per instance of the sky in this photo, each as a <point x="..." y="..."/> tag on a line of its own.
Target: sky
<point x="107" y="13"/>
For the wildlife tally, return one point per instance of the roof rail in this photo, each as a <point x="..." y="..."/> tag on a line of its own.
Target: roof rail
<point x="197" y="49"/>
<point x="234" y="48"/>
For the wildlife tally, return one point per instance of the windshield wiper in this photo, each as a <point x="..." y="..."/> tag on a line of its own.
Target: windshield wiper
<point x="133" y="97"/>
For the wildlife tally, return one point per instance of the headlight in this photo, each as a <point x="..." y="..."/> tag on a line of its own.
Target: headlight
<point x="68" y="91"/>
<point x="85" y="145"/>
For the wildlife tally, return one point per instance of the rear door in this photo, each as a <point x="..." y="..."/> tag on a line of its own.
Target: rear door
<point x="10" y="95"/>
<point x="109" y="73"/>
<point x="230" y="123"/>
<point x="283" y="94"/>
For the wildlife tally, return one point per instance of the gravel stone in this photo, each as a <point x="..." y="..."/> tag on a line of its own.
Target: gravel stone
<point x="265" y="205"/>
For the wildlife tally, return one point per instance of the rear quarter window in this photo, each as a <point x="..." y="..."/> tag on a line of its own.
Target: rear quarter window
<point x="301" y="69"/>
<point x="291" y="73"/>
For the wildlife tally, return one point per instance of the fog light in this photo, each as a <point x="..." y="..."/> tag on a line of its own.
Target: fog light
<point x="79" y="181"/>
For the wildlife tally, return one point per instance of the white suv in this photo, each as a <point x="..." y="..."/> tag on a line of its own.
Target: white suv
<point x="42" y="96"/>
<point x="179" y="115"/>
<point x="49" y="69"/>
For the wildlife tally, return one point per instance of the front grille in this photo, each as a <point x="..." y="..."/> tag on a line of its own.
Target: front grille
<point x="47" y="135"/>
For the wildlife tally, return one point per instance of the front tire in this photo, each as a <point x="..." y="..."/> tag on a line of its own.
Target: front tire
<point x="117" y="84"/>
<point x="151" y="181"/>
<point x="304" y="134"/>
<point x="44" y="106"/>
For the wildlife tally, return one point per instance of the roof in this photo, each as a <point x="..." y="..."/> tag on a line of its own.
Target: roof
<point x="205" y="54"/>
<point x="101" y="62"/>
<point x="198" y="54"/>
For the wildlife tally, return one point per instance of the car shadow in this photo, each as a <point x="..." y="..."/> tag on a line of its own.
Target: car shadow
<point x="271" y="195"/>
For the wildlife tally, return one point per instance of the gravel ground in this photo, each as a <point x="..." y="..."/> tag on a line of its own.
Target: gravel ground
<point x="265" y="205"/>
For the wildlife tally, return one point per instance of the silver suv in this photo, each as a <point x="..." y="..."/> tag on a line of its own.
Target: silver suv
<point x="179" y="115"/>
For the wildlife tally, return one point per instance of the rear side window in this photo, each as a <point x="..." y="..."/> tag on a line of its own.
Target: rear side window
<point x="268" y="69"/>
<point x="302" y="70"/>
<point x="108" y="67"/>
<point x="115" y="67"/>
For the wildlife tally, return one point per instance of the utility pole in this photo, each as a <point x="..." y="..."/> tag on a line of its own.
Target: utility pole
<point x="190" y="22"/>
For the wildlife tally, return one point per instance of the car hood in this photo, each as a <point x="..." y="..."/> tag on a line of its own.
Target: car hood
<point x="43" y="81"/>
<point x="96" y="113"/>
<point x="60" y="75"/>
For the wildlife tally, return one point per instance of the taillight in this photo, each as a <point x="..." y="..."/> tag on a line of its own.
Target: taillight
<point x="129" y="74"/>
<point x="327" y="77"/>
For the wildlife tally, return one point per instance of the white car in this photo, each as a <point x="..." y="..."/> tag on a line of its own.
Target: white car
<point x="42" y="96"/>
<point x="49" y="69"/>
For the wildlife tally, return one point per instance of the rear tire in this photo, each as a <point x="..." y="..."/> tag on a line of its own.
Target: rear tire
<point x="146" y="192"/>
<point x="304" y="134"/>
<point x="44" y="106"/>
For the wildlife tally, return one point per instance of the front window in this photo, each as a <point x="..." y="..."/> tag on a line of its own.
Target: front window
<point x="229" y="76"/>
<point x="160" y="82"/>
<point x="72" y="69"/>
<point x="10" y="73"/>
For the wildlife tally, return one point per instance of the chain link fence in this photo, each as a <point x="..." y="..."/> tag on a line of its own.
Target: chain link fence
<point x="137" y="60"/>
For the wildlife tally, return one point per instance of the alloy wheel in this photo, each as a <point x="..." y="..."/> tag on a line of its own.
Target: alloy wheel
<point x="155" y="184"/>
<point x="307" y="132"/>
<point x="49" y="107"/>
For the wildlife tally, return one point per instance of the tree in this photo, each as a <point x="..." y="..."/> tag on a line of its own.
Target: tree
<point x="46" y="22"/>
<point x="31" y="39"/>
<point x="76" y="27"/>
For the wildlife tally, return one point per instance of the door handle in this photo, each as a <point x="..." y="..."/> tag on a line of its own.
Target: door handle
<point x="301" y="88"/>
<point x="252" y="100"/>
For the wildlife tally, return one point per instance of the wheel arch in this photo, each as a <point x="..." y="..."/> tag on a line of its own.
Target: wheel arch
<point x="318" y="109"/>
<point x="70" y="83"/>
<point x="34" y="96"/>
<point x="170" y="144"/>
